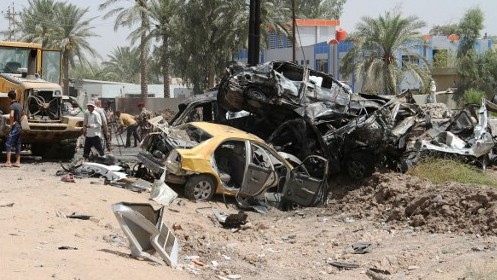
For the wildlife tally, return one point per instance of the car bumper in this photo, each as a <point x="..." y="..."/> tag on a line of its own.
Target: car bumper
<point x="158" y="168"/>
<point x="150" y="162"/>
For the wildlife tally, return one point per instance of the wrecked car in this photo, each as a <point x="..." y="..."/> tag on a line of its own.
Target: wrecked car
<point x="207" y="159"/>
<point x="301" y="112"/>
<point x="466" y="136"/>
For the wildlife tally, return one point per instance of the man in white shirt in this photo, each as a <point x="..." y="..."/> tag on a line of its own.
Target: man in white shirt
<point x="92" y="131"/>
<point x="105" y="132"/>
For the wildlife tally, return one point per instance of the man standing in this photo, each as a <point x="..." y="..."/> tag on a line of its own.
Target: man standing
<point x="92" y="131"/>
<point x="126" y="120"/>
<point x="14" y="138"/>
<point x="105" y="131"/>
<point x="143" y="118"/>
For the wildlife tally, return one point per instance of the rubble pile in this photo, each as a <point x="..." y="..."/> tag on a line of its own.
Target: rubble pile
<point x="437" y="110"/>
<point x="167" y="114"/>
<point x="400" y="198"/>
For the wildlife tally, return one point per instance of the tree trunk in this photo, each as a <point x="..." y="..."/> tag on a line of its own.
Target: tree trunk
<point x="165" y="66"/>
<point x="210" y="80"/>
<point x="144" y="66"/>
<point x="65" y="71"/>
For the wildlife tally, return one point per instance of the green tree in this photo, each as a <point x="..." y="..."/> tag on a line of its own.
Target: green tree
<point x="377" y="43"/>
<point x="93" y="71"/>
<point x="470" y="64"/>
<point x="323" y="9"/>
<point x="234" y="15"/>
<point x="444" y="30"/>
<point x="127" y="17"/>
<point x="469" y="30"/>
<point x="205" y="40"/>
<point x="123" y="65"/>
<point x="161" y="14"/>
<point x="72" y="37"/>
<point x="208" y="34"/>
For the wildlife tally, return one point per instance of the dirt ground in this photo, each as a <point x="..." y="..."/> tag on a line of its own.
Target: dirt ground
<point x="408" y="229"/>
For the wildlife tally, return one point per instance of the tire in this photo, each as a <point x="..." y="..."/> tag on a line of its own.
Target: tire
<point x="200" y="187"/>
<point x="359" y="165"/>
<point x="64" y="150"/>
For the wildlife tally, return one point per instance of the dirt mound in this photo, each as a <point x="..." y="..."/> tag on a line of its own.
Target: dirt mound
<point x="436" y="208"/>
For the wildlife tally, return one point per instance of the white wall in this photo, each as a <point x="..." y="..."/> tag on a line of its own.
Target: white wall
<point x="104" y="89"/>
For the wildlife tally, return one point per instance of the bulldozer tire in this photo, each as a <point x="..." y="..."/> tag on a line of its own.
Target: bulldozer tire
<point x="64" y="150"/>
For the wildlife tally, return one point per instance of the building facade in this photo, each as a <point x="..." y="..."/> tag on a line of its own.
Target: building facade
<point x="317" y="49"/>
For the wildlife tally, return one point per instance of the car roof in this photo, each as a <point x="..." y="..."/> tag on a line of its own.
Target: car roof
<point x="217" y="130"/>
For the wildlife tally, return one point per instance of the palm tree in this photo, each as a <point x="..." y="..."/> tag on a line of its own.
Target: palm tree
<point x="71" y="37"/>
<point x="324" y="9"/>
<point x="373" y="56"/>
<point x="93" y="72"/>
<point x="161" y="13"/>
<point x="233" y="19"/>
<point x="128" y="17"/>
<point x="123" y="65"/>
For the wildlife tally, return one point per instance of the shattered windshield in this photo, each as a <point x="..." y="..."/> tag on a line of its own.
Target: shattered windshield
<point x="187" y="136"/>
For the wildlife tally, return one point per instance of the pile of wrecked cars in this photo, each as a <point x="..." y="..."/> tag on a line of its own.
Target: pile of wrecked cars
<point x="302" y="125"/>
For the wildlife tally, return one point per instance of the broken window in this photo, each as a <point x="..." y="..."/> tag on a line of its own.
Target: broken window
<point x="194" y="133"/>
<point x="260" y="157"/>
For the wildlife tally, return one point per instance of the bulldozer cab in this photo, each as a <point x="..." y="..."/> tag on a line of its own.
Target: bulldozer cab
<point x="30" y="61"/>
<point x="34" y="74"/>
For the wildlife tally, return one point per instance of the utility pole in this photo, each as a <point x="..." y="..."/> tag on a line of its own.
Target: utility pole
<point x="10" y="14"/>
<point x="293" y="31"/>
<point x="254" y="32"/>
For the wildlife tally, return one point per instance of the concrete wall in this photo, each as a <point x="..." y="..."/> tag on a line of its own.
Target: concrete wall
<point x="130" y="104"/>
<point x="447" y="98"/>
<point x="104" y="89"/>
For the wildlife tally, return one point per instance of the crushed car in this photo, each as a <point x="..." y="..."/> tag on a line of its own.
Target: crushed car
<point x="207" y="159"/>
<point x="301" y="112"/>
<point x="466" y="136"/>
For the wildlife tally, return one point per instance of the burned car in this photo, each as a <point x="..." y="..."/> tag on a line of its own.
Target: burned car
<point x="302" y="112"/>
<point x="208" y="159"/>
<point x="465" y="136"/>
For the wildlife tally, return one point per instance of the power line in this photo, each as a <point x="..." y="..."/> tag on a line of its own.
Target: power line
<point x="10" y="14"/>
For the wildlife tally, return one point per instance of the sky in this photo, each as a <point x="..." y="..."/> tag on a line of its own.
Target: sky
<point x="433" y="12"/>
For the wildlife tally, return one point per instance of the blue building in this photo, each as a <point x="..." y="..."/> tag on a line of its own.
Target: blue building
<point x="317" y="48"/>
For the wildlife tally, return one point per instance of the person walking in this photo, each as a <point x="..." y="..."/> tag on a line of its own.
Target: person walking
<point x="143" y="118"/>
<point x="14" y="137"/>
<point x="127" y="121"/>
<point x="92" y="131"/>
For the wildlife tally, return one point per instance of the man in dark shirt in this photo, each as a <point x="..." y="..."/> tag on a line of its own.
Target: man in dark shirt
<point x="14" y="138"/>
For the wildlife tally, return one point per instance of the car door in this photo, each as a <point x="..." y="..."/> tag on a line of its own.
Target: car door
<point x="306" y="184"/>
<point x="260" y="172"/>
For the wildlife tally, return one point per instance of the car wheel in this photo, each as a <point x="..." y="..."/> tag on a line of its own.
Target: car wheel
<point x="360" y="166"/>
<point x="200" y="187"/>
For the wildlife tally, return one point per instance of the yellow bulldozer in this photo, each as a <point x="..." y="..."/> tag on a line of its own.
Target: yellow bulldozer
<point x="34" y="74"/>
